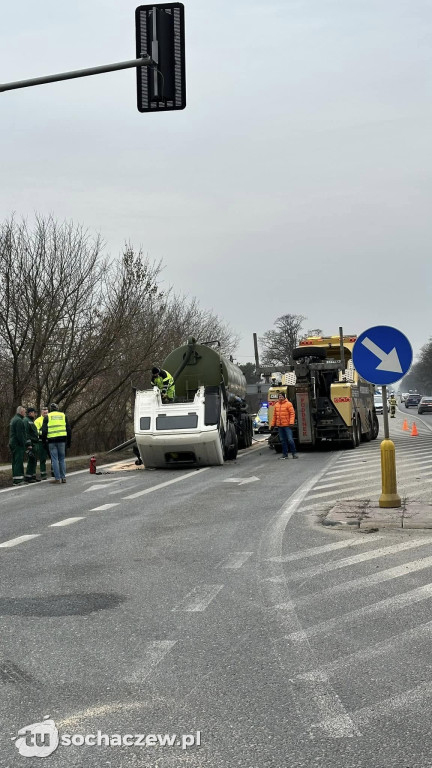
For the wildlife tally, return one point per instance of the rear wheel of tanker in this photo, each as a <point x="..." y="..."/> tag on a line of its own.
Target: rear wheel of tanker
<point x="249" y="431"/>
<point x="278" y="448"/>
<point x="245" y="437"/>
<point x="231" y="443"/>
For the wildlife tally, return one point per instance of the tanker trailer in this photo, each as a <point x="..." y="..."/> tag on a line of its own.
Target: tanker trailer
<point x="207" y="422"/>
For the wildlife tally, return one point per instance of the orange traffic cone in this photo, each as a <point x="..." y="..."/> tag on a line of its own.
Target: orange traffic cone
<point x="414" y="431"/>
<point x="405" y="426"/>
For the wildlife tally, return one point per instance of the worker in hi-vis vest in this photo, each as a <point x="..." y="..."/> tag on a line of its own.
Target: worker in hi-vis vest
<point x="57" y="433"/>
<point x="165" y="382"/>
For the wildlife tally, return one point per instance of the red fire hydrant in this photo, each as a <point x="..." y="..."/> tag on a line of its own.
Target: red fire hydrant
<point x="92" y="465"/>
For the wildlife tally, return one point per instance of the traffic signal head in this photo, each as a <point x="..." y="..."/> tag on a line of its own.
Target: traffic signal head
<point x="160" y="34"/>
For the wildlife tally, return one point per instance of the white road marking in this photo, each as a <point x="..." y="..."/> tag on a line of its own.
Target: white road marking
<point x="153" y="654"/>
<point x="324" y="548"/>
<point x="416" y="697"/>
<point x="394" y="603"/>
<point x="168" y="482"/>
<point x="105" y="506"/>
<point x="355" y="559"/>
<point x="385" y="647"/>
<point x="98" y="487"/>
<point x="358" y="493"/>
<point x="199" y="598"/>
<point x="369" y="581"/>
<point x="19" y="540"/>
<point x="311" y="697"/>
<point x="236" y="560"/>
<point x="241" y="480"/>
<point x="66" y="521"/>
<point x="121" y="490"/>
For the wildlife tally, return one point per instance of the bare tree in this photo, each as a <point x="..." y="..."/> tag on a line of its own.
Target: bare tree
<point x="278" y="344"/>
<point x="78" y="330"/>
<point x="48" y="280"/>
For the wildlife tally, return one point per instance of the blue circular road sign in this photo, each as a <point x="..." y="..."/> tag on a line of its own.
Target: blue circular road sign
<point x="382" y="355"/>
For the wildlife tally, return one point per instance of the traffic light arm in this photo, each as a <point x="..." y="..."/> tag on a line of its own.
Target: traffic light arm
<point x="145" y="61"/>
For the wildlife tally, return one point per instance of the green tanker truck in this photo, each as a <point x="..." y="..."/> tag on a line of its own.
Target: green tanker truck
<point x="207" y="422"/>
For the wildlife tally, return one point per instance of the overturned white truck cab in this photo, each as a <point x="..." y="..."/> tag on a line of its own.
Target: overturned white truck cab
<point x="206" y="423"/>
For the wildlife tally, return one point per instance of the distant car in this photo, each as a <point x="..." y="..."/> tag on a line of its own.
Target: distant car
<point x="404" y="396"/>
<point x="425" y="405"/>
<point x="379" y="407"/>
<point x="413" y="399"/>
<point x="261" y="420"/>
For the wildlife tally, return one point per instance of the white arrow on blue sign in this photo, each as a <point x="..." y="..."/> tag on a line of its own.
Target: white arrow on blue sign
<point x="382" y="355"/>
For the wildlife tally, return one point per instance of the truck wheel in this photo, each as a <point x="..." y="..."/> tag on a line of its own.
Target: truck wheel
<point x="353" y="436"/>
<point x="367" y="436"/>
<point x="245" y="436"/>
<point x="278" y="448"/>
<point x="358" y="430"/>
<point x="231" y="443"/>
<point x="375" y="427"/>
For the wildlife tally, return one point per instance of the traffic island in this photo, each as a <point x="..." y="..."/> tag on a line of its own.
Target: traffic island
<point x="366" y="515"/>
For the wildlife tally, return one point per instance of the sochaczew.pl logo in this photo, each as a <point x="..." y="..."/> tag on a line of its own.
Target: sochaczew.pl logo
<point x="38" y="739"/>
<point x="42" y="739"/>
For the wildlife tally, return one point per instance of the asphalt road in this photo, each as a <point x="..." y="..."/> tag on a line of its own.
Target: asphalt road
<point x="214" y="602"/>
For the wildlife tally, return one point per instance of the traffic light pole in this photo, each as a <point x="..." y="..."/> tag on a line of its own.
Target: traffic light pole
<point x="145" y="61"/>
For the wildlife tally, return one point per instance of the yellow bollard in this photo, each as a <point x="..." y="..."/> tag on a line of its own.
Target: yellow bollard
<point x="389" y="496"/>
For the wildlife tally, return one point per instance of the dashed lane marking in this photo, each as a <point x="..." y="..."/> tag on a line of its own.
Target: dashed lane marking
<point x="121" y="490"/>
<point x="199" y="598"/>
<point x="98" y="487"/>
<point x="66" y="521"/>
<point x="153" y="654"/>
<point x="164" y="485"/>
<point x="19" y="540"/>
<point x="236" y="560"/>
<point x="105" y="506"/>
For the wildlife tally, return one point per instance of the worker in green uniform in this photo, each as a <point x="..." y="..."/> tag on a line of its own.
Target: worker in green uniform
<point x="32" y="436"/>
<point x="165" y="382"/>
<point x="43" y="449"/>
<point x="17" y="445"/>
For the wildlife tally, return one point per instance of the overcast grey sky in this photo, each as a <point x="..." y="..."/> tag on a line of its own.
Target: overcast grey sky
<point x="298" y="178"/>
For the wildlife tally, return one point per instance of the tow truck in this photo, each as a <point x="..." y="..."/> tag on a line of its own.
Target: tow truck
<point x="332" y="402"/>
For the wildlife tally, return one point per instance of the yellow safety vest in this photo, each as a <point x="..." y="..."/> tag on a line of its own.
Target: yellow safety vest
<point x="166" y="385"/>
<point x="38" y="424"/>
<point x="56" y="425"/>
